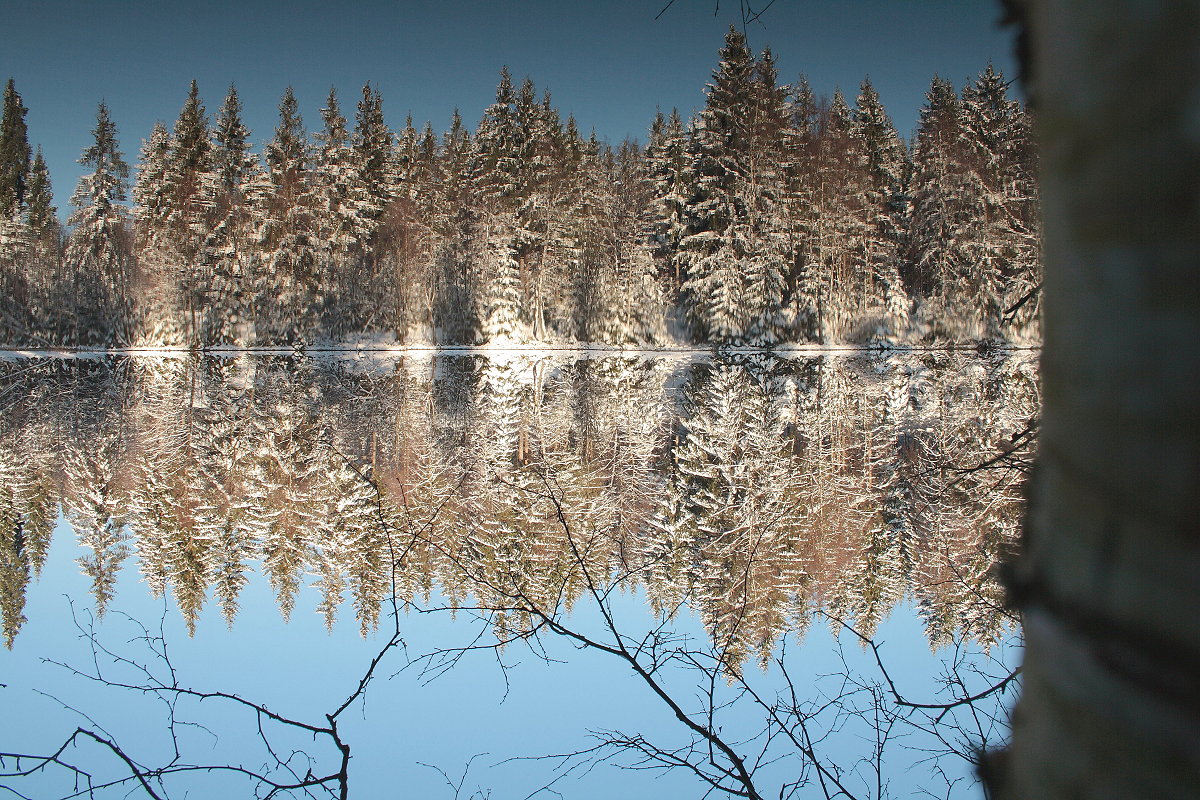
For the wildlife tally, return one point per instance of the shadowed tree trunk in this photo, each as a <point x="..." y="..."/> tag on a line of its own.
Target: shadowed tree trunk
<point x="1109" y="582"/>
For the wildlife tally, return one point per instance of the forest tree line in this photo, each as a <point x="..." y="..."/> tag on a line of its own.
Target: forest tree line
<point x="772" y="216"/>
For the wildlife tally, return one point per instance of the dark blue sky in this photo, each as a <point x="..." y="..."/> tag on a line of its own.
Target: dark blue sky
<point x="607" y="61"/>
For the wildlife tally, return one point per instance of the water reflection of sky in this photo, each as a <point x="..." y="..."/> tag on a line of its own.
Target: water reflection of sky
<point x="475" y="710"/>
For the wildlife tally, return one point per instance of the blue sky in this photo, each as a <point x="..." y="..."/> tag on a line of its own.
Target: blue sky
<point x="607" y="61"/>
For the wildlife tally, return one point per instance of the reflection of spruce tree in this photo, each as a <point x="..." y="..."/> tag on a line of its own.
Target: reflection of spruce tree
<point x="496" y="535"/>
<point x="351" y="543"/>
<point x="783" y="491"/>
<point x="840" y="518"/>
<point x="282" y="481"/>
<point x="158" y="413"/>
<point x="188" y="543"/>
<point x="91" y="500"/>
<point x="27" y="485"/>
<point x="975" y="523"/>
<point x="151" y="519"/>
<point x="884" y="563"/>
<point x="733" y="487"/>
<point x="223" y="509"/>
<point x="14" y="559"/>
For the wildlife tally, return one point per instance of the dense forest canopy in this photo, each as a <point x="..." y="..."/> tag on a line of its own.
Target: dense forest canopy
<point x="773" y="216"/>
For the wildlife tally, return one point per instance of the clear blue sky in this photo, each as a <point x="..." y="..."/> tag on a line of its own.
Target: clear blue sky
<point x="607" y="61"/>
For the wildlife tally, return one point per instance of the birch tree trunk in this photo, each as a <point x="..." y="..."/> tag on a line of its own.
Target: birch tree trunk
<point x="1109" y="583"/>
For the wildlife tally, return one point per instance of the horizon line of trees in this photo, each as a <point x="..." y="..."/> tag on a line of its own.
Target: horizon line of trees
<point x="772" y="216"/>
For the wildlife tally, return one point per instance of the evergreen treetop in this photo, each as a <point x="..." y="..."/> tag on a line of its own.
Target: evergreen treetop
<point x="191" y="147"/>
<point x="108" y="183"/>
<point x="232" y="161"/>
<point x="40" y="211"/>
<point x="14" y="153"/>
<point x="287" y="152"/>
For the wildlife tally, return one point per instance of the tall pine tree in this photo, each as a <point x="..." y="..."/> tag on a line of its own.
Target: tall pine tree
<point x="288" y="292"/>
<point x="99" y="256"/>
<point x="14" y="154"/>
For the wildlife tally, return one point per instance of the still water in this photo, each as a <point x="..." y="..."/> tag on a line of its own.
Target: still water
<point x="695" y="525"/>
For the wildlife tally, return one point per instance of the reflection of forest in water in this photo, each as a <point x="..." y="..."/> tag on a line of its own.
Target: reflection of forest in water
<point x="755" y="489"/>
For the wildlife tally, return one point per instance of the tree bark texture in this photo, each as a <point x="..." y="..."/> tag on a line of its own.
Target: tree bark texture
<point x="1109" y="580"/>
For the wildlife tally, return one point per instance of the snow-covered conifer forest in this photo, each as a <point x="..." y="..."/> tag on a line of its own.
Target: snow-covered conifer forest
<point x="773" y="216"/>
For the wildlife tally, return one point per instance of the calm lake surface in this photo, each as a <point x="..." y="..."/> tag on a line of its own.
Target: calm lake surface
<point x="731" y="538"/>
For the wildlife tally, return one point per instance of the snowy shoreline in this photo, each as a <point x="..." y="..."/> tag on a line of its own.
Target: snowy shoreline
<point x="465" y="350"/>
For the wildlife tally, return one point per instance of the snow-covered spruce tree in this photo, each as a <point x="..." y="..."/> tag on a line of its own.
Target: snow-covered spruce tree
<point x="1004" y="249"/>
<point x="579" y="237"/>
<point x="731" y="255"/>
<point x="547" y="167"/>
<point x="157" y="289"/>
<point x="373" y="145"/>
<point x="189" y="160"/>
<point x="375" y="164"/>
<point x="41" y="256"/>
<point x="40" y="213"/>
<point x="802" y="153"/>
<point x="344" y="220"/>
<point x="830" y="275"/>
<point x="495" y="178"/>
<point x="173" y="215"/>
<point x="975" y="228"/>
<point x="14" y="231"/>
<point x="453" y="301"/>
<point x="15" y="154"/>
<point x="883" y="169"/>
<point x="228" y="247"/>
<point x="287" y="276"/>
<point x="625" y="302"/>
<point x="99" y="259"/>
<point x="405" y="238"/>
<point x="644" y="294"/>
<point x="668" y="166"/>
<point x="937" y="202"/>
<point x="769" y="163"/>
